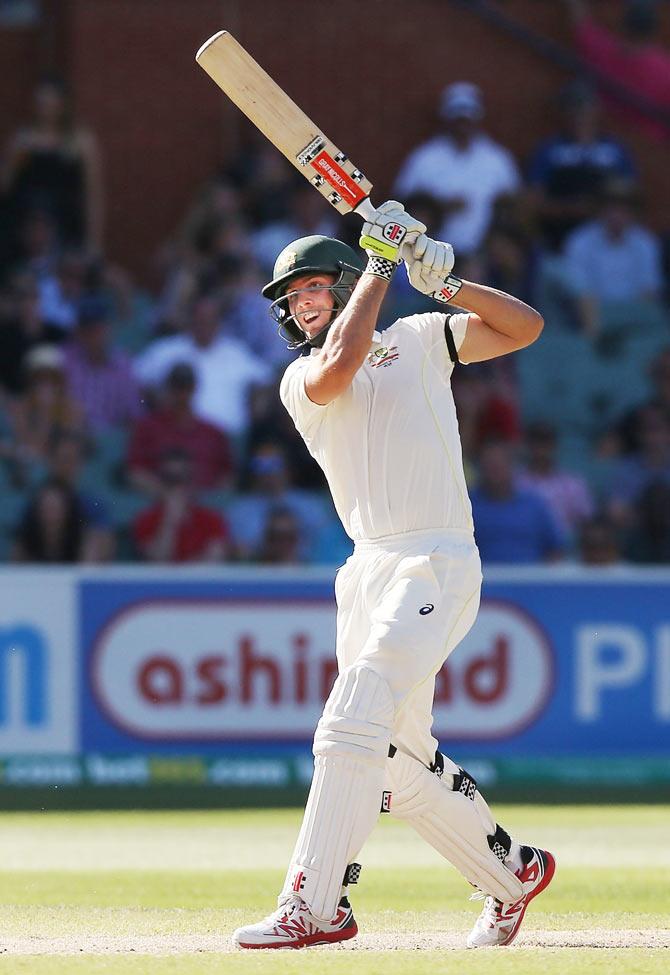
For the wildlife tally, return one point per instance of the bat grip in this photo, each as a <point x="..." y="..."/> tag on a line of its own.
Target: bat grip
<point x="365" y="209"/>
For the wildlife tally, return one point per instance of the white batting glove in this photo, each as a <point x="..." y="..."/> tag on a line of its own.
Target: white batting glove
<point x="429" y="263"/>
<point x="383" y="236"/>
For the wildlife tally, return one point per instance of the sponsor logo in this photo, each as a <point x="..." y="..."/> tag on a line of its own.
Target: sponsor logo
<point x="299" y="882"/>
<point x="425" y="610"/>
<point x="383" y="356"/>
<point x="201" y="669"/>
<point x="340" y="180"/>
<point x="394" y="232"/>
<point x="24" y="645"/>
<point x="499" y="681"/>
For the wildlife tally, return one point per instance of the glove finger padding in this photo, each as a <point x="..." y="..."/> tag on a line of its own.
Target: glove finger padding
<point x="391" y="206"/>
<point x="391" y="227"/>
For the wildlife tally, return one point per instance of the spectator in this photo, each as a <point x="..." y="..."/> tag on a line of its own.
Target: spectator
<point x="171" y="426"/>
<point x="625" y="437"/>
<point x="281" y="539"/>
<point x="53" y="163"/>
<point x="54" y="528"/>
<point x="636" y="472"/>
<point x="650" y="540"/>
<point x="462" y="168"/>
<point x="21" y="328"/>
<point x="613" y="258"/>
<point x="100" y="378"/>
<point x="45" y="408"/>
<point x="65" y="464"/>
<point x="225" y="368"/>
<point x="272" y="426"/>
<point x="61" y="293"/>
<point x="633" y="60"/>
<point x="270" y="488"/>
<point x="567" y="172"/>
<point x="177" y="528"/>
<point x="567" y="495"/>
<point x="488" y="408"/>
<point x="511" y="524"/>
<point x="308" y="213"/>
<point x="599" y="542"/>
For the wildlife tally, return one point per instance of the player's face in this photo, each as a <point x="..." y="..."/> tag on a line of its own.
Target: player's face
<point x="311" y="302"/>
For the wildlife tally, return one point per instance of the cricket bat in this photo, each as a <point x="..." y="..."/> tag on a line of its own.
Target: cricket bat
<point x="287" y="127"/>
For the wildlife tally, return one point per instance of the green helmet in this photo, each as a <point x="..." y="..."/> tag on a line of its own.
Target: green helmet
<point x="307" y="255"/>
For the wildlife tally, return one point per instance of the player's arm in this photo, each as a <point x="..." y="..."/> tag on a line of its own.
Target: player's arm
<point x="498" y="323"/>
<point x="350" y="336"/>
<point x="348" y="342"/>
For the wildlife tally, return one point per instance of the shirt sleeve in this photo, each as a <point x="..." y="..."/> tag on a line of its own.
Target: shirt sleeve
<point x="306" y="415"/>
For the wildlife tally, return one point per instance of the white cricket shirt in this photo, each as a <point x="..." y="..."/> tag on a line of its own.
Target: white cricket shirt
<point x="389" y="445"/>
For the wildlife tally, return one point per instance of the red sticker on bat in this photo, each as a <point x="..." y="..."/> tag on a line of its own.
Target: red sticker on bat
<point x="347" y="187"/>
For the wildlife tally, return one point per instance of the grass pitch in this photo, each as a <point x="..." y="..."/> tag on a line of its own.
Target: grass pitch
<point x="160" y="893"/>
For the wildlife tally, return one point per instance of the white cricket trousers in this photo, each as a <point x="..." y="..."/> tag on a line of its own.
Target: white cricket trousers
<point x="404" y="602"/>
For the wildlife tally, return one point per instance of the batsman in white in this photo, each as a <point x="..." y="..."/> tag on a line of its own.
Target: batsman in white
<point x="375" y="408"/>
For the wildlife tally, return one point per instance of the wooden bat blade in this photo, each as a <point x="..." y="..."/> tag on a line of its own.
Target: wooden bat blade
<point x="283" y="123"/>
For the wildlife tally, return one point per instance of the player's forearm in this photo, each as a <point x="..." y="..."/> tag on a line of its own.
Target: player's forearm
<point x="350" y="336"/>
<point x="502" y="312"/>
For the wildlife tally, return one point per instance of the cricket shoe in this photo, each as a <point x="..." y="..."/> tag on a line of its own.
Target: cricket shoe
<point x="499" y="922"/>
<point x="292" y="926"/>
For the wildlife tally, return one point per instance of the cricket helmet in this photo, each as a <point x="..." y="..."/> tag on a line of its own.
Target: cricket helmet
<point x="311" y="255"/>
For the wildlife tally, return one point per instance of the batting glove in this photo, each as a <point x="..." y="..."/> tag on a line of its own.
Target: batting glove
<point x="429" y="265"/>
<point x="383" y="236"/>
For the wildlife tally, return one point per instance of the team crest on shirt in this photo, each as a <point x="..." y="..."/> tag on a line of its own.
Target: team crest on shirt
<point x="383" y="356"/>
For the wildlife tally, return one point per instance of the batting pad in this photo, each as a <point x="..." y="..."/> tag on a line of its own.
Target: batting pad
<point x="350" y="748"/>
<point x="456" y="826"/>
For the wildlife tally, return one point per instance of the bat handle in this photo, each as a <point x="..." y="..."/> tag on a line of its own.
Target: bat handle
<point x="365" y="209"/>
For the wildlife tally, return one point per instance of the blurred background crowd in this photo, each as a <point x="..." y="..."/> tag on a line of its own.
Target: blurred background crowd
<point x="141" y="421"/>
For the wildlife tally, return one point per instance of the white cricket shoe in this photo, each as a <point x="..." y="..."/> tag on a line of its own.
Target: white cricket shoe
<point x="499" y="923"/>
<point x="292" y="926"/>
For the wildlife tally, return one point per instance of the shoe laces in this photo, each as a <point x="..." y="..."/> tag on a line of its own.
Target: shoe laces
<point x="286" y="908"/>
<point x="492" y="906"/>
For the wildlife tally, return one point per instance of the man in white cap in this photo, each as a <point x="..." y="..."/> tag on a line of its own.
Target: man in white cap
<point x="462" y="168"/>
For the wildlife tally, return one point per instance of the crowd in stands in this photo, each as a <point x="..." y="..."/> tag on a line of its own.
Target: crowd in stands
<point x="140" y="426"/>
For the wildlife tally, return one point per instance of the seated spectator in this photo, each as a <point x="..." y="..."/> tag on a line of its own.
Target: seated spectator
<point x="487" y="402"/>
<point x="308" y="213"/>
<point x="61" y="293"/>
<point x="177" y="528"/>
<point x="100" y="378"/>
<point x="55" y="528"/>
<point x="567" y="495"/>
<point x="45" y="408"/>
<point x="567" y="171"/>
<point x="624" y="438"/>
<point x="281" y="539"/>
<point x="225" y="368"/>
<point x="511" y="524"/>
<point x="65" y="464"/>
<point x="650" y="538"/>
<point x="632" y="59"/>
<point x="462" y="168"/>
<point x="173" y="425"/>
<point x="636" y="472"/>
<point x="612" y="259"/>
<point x="270" y="425"/>
<point x="270" y="487"/>
<point x="599" y="542"/>
<point x="21" y="327"/>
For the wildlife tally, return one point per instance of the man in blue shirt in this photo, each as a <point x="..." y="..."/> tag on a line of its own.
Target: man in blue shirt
<point x="511" y="524"/>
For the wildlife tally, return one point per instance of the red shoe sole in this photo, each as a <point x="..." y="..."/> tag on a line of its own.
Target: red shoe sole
<point x="549" y="871"/>
<point x="322" y="938"/>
